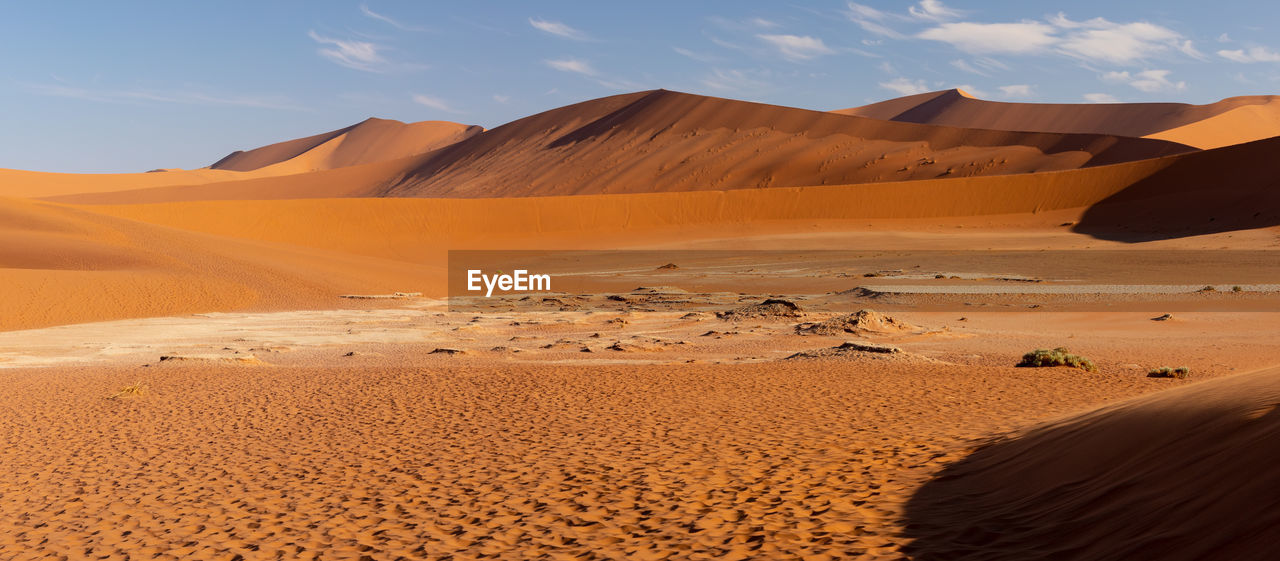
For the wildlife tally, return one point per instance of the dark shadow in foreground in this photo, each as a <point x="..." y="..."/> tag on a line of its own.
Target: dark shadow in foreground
<point x="1220" y="190"/>
<point x="1187" y="474"/>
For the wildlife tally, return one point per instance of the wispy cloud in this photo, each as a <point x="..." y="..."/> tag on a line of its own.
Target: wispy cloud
<point x="964" y="65"/>
<point x="738" y="81"/>
<point x="503" y="99"/>
<point x="357" y="55"/>
<point x="1016" y="90"/>
<point x="1150" y="81"/>
<point x="572" y="65"/>
<point x="933" y="10"/>
<point x="435" y="103"/>
<point x="700" y="57"/>
<point x="872" y="20"/>
<point x="364" y="9"/>
<point x="1099" y="39"/>
<point x="558" y="29"/>
<point x="994" y="38"/>
<point x="797" y="47"/>
<point x="904" y="86"/>
<point x="1100" y="98"/>
<point x="1254" y="54"/>
<point x="181" y="97"/>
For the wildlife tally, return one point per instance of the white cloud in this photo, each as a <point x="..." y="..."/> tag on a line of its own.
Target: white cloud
<point x="364" y="9"/>
<point x="558" y="29"/>
<point x="503" y="99"/>
<point x="434" y="103"/>
<point x="572" y="65"/>
<point x="994" y="38"/>
<point x="357" y="55"/>
<point x="1149" y="81"/>
<point x="933" y="10"/>
<point x="1224" y="38"/>
<point x="797" y="47"/>
<point x="1099" y="39"/>
<point x="903" y="86"/>
<point x="1016" y="90"/>
<point x="1094" y="40"/>
<point x="764" y="23"/>
<point x="1255" y="54"/>
<point x="871" y="20"/>
<point x="1100" y="98"/>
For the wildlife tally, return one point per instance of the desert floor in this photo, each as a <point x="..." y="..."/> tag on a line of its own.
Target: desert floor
<point x="406" y="431"/>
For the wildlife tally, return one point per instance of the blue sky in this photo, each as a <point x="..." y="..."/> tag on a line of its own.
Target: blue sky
<point x="130" y="86"/>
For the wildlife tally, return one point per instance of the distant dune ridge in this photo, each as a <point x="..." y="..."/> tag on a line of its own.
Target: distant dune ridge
<point x="371" y="140"/>
<point x="670" y="141"/>
<point x="1231" y="121"/>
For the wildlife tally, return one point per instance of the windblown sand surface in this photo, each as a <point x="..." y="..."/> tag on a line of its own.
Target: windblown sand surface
<point x="660" y="412"/>
<point x="336" y="444"/>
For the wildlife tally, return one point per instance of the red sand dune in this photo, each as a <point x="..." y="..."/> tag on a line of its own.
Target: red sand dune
<point x="669" y="141"/>
<point x="1185" y="474"/>
<point x="1230" y="121"/>
<point x="372" y="140"/>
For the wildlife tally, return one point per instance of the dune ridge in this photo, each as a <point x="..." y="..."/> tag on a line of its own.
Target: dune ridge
<point x="369" y="141"/>
<point x="670" y="141"/>
<point x="1230" y="121"/>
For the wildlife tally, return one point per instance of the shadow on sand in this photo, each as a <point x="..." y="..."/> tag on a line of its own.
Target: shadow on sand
<point x="1188" y="474"/>
<point x="1221" y="190"/>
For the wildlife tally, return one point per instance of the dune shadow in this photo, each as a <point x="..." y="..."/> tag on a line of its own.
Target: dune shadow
<point x="1221" y="190"/>
<point x="1167" y="479"/>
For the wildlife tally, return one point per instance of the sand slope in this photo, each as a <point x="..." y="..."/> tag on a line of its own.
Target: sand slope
<point x="670" y="141"/>
<point x="60" y="265"/>
<point x="1230" y="121"/>
<point x="371" y="140"/>
<point x="1154" y="478"/>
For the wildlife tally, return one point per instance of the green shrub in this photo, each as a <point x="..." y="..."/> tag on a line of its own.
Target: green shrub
<point x="1057" y="357"/>
<point x="1180" y="372"/>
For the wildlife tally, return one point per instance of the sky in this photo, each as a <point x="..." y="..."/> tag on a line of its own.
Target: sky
<point x="132" y="86"/>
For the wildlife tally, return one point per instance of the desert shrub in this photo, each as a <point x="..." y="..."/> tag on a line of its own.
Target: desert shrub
<point x="1180" y="372"/>
<point x="1057" y="357"/>
<point x="1237" y="288"/>
<point x="134" y="389"/>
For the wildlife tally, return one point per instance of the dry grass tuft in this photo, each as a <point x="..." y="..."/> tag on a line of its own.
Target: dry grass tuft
<point x="134" y="389"/>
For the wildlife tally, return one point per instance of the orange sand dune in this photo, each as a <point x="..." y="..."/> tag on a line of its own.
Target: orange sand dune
<point x="60" y="265"/>
<point x="670" y="141"/>
<point x="1230" y="121"/>
<point x="1167" y="193"/>
<point x="372" y="140"/>
<point x="1186" y="474"/>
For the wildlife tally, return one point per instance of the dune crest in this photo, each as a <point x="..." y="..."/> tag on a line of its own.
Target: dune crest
<point x="1230" y="121"/>
<point x="1155" y="478"/>
<point x="670" y="141"/>
<point x="371" y="140"/>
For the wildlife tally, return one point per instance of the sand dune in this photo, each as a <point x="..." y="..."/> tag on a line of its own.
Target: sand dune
<point x="1183" y="474"/>
<point x="371" y="140"/>
<point x="1230" y="121"/>
<point x="60" y="265"/>
<point x="669" y="141"/>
